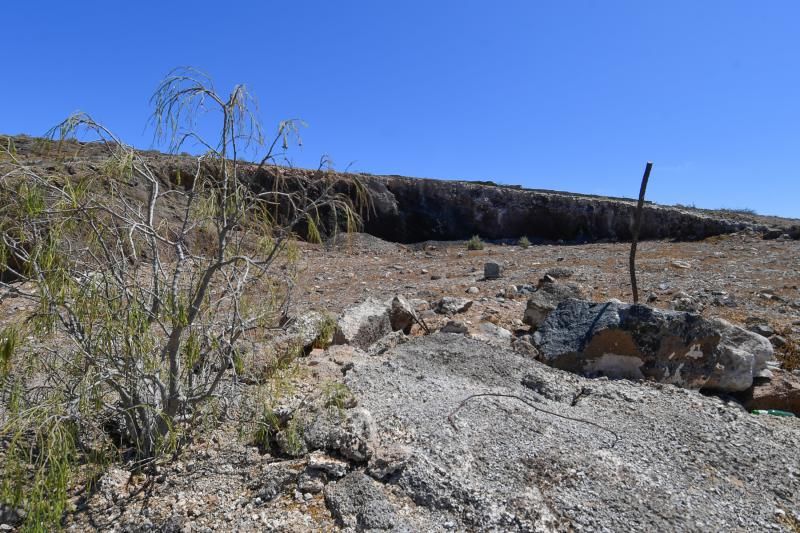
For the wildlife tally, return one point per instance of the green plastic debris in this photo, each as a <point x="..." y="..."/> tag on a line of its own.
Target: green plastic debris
<point x="773" y="412"/>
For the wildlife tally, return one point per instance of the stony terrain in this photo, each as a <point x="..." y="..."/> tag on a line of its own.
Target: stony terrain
<point x="456" y="424"/>
<point x="659" y="457"/>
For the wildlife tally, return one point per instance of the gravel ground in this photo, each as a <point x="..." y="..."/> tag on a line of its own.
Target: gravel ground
<point x="632" y="456"/>
<point x="683" y="461"/>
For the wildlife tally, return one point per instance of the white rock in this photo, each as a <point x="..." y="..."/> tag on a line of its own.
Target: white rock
<point x="363" y="324"/>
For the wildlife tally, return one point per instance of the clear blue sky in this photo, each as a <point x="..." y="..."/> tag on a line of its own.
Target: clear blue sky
<point x="568" y="95"/>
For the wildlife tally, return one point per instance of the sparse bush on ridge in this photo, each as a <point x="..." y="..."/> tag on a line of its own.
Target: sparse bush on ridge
<point x="739" y="210"/>
<point x="475" y="243"/>
<point x="524" y="242"/>
<point x="147" y="329"/>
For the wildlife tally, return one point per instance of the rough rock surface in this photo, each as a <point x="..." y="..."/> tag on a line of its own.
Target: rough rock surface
<point x="388" y="342"/>
<point x="450" y="306"/>
<point x="402" y="314"/>
<point x="781" y="391"/>
<point x="414" y="210"/>
<point x="682" y="461"/>
<point x="455" y="326"/>
<point x="640" y="342"/>
<point x="546" y="299"/>
<point x="358" y="503"/>
<point x="349" y="433"/>
<point x="363" y="324"/>
<point x="493" y="334"/>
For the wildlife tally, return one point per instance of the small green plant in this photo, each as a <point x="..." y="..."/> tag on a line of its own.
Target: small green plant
<point x="267" y="426"/>
<point x="475" y="243"/>
<point x="292" y="437"/>
<point x="524" y="242"/>
<point x="38" y="466"/>
<point x="326" y="332"/>
<point x="337" y="395"/>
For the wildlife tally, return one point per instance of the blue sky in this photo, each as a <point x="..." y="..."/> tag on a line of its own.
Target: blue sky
<point x="568" y="95"/>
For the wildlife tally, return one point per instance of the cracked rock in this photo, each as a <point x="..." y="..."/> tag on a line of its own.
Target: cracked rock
<point x="357" y="502"/>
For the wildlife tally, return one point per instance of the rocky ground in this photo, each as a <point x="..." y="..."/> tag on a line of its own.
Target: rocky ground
<point x="551" y="451"/>
<point x="456" y="424"/>
<point x="741" y="277"/>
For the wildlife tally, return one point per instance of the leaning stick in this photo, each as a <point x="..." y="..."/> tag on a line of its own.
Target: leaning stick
<point x="637" y="223"/>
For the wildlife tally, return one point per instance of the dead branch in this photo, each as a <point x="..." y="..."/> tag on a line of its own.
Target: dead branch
<point x="637" y="224"/>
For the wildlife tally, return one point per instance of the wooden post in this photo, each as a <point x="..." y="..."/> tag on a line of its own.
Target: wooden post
<point x="637" y="223"/>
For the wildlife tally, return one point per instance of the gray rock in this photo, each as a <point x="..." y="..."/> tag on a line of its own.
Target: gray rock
<point x="560" y="272"/>
<point x="388" y="461"/>
<point x="302" y="331"/>
<point x="499" y="464"/>
<point x="10" y="516"/>
<point x="493" y="334"/>
<point x="455" y="326"/>
<point x="742" y="356"/>
<point x="332" y="466"/>
<point x="526" y="348"/>
<point x="492" y="270"/>
<point x="472" y="290"/>
<point x="640" y="342"/>
<point x="509" y="292"/>
<point x="349" y="433"/>
<point x="450" y="306"/>
<point x="277" y="479"/>
<point x="306" y="328"/>
<point x="762" y="329"/>
<point x="416" y="210"/>
<point x="546" y="299"/>
<point x="363" y="324"/>
<point x="419" y="304"/>
<point x="357" y="502"/>
<point x="388" y="342"/>
<point x="402" y="314"/>
<point x="778" y="341"/>
<point x="311" y="481"/>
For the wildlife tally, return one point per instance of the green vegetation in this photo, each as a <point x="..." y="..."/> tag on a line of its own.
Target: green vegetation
<point x="337" y="395"/>
<point x="143" y="328"/>
<point x="739" y="210"/>
<point x="475" y="243"/>
<point x="326" y="332"/>
<point x="524" y="242"/>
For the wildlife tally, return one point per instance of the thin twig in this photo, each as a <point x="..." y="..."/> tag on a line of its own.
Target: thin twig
<point x="451" y="416"/>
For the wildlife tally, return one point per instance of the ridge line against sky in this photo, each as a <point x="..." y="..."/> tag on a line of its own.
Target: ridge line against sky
<point x="572" y="95"/>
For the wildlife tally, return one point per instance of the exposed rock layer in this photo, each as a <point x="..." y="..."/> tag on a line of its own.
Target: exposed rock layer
<point x="414" y="210"/>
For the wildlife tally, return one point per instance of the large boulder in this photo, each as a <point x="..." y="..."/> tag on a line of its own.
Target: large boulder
<point x="640" y="342"/>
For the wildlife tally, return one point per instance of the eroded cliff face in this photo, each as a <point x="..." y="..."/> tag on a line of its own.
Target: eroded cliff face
<point x="413" y="210"/>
